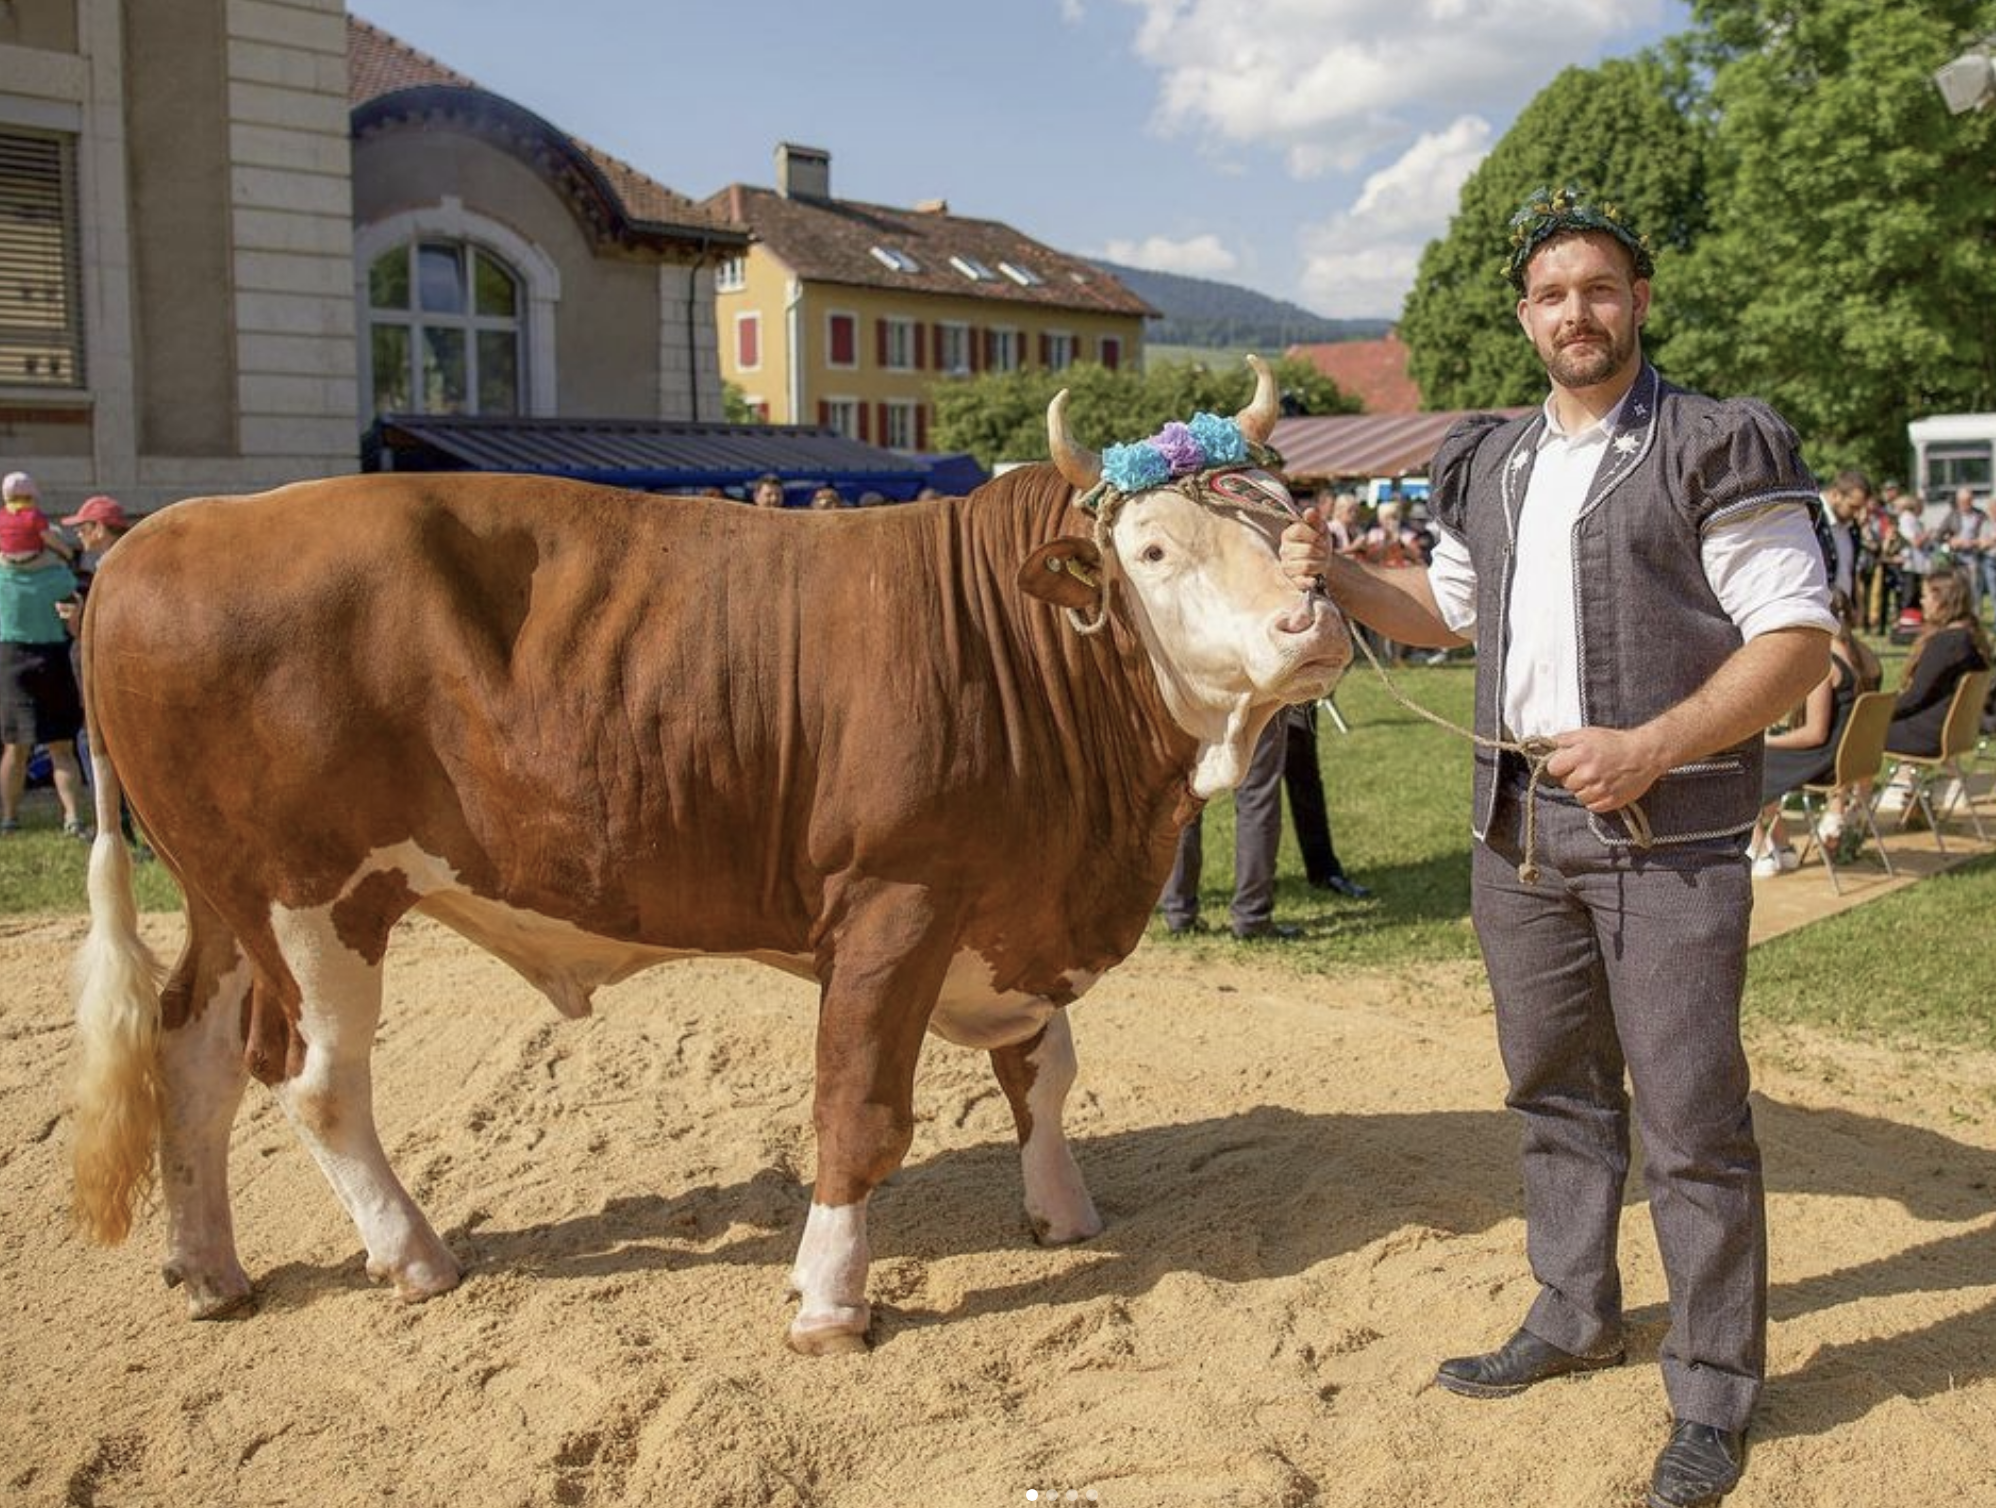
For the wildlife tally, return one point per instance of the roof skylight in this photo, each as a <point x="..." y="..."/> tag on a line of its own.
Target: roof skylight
<point x="895" y="258"/>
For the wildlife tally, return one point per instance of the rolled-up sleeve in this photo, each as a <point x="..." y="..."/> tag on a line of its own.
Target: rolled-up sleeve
<point x="1766" y="569"/>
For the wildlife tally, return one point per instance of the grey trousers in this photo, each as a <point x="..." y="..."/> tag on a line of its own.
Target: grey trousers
<point x="1257" y="836"/>
<point x="1621" y="961"/>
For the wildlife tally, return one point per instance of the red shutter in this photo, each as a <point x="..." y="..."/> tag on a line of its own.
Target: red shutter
<point x="1046" y="349"/>
<point x="1112" y="352"/>
<point x="746" y="353"/>
<point x="921" y="426"/>
<point x="921" y="333"/>
<point x="880" y="342"/>
<point x="844" y="341"/>
<point x="936" y="345"/>
<point x="864" y="410"/>
<point x="881" y="428"/>
<point x="984" y="341"/>
<point x="824" y="412"/>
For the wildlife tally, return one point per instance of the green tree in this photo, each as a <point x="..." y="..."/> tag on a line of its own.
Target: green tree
<point x="1847" y="272"/>
<point x="735" y="407"/>
<point x="1002" y="416"/>
<point x="1631" y="130"/>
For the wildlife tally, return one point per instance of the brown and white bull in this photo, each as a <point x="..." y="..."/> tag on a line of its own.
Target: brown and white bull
<point x="594" y="731"/>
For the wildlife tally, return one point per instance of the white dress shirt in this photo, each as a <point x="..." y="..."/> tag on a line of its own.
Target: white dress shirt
<point x="1765" y="568"/>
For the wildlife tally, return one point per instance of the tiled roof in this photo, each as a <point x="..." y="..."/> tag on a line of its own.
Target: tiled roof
<point x="1372" y="371"/>
<point x="1341" y="446"/>
<point x="379" y="64"/>
<point x="832" y="241"/>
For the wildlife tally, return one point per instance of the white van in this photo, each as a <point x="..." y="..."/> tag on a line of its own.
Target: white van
<point x="1951" y="451"/>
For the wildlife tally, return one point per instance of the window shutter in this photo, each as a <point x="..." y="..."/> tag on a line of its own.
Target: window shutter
<point x="987" y="344"/>
<point x="921" y="426"/>
<point x="864" y="410"/>
<point x="41" y="326"/>
<point x="920" y="333"/>
<point x="880" y="342"/>
<point x="824" y="412"/>
<point x="1046" y="349"/>
<point x="881" y="428"/>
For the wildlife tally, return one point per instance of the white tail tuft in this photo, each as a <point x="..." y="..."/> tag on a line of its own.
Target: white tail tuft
<point x="116" y="1089"/>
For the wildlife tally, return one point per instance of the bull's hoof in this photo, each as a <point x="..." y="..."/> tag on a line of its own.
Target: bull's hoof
<point x="1069" y="1231"/>
<point x="419" y="1280"/>
<point x="839" y="1332"/>
<point x="211" y="1296"/>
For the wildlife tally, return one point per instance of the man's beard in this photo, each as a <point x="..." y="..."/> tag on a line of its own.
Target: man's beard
<point x="1587" y="366"/>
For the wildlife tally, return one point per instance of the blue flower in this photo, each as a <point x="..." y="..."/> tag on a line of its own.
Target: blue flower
<point x="1132" y="468"/>
<point x="1221" y="439"/>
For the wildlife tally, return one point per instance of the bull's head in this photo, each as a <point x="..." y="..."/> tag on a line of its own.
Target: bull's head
<point x="1188" y="522"/>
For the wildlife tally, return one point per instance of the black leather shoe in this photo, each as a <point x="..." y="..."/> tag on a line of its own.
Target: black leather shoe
<point x="1699" y="1466"/>
<point x="1343" y="884"/>
<point x="1521" y="1361"/>
<point x="1269" y="932"/>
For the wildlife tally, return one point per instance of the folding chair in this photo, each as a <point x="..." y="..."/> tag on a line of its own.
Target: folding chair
<point x="1958" y="734"/>
<point x="1860" y="751"/>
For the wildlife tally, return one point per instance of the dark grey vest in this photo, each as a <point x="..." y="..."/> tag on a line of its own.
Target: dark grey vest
<point x="1651" y="629"/>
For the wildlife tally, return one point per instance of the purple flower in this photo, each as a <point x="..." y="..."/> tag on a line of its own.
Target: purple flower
<point x="1180" y="448"/>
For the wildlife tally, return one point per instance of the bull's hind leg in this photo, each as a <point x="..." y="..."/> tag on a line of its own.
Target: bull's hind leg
<point x="330" y="1100"/>
<point x="1036" y="1076"/>
<point x="202" y="1079"/>
<point x="891" y="955"/>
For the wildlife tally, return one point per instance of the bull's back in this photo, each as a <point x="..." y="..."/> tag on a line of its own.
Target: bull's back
<point x="601" y="706"/>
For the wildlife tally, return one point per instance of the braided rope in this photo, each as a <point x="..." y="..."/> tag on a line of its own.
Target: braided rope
<point x="1535" y="751"/>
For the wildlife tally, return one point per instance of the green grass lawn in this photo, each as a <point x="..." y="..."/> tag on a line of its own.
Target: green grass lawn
<point x="1913" y="964"/>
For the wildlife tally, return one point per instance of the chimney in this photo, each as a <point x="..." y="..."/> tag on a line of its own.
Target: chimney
<point x="803" y="172"/>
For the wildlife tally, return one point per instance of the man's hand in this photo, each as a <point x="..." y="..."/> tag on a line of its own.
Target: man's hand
<point x="1306" y="550"/>
<point x="1607" y="768"/>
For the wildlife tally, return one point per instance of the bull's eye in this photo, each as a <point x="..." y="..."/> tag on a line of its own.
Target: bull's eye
<point x="1153" y="553"/>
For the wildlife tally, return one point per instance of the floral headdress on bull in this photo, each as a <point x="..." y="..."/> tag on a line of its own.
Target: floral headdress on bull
<point x="1547" y="213"/>
<point x="1220" y="463"/>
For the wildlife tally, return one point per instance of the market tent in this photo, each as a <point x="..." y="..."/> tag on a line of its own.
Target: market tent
<point x="655" y="455"/>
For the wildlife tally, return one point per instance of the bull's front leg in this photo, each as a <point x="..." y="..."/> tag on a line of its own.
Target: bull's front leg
<point x="884" y="964"/>
<point x="1036" y="1076"/>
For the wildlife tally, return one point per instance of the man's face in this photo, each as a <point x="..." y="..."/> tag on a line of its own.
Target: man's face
<point x="1584" y="308"/>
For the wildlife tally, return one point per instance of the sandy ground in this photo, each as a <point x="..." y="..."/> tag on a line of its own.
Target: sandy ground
<point x="1312" y="1196"/>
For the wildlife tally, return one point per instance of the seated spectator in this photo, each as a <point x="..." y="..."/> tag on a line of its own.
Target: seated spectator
<point x="768" y="491"/>
<point x="1391" y="542"/>
<point x="827" y="497"/>
<point x="1806" y="753"/>
<point x="1952" y="643"/>
<point x="1345" y="527"/>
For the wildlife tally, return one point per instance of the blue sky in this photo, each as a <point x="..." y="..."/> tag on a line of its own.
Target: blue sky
<point x="1304" y="148"/>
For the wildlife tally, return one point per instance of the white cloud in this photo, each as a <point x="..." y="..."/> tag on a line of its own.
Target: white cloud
<point x="1361" y="261"/>
<point x="1331" y="83"/>
<point x="1200" y="256"/>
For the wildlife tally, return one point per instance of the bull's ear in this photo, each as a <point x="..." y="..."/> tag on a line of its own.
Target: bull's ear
<point x="1066" y="572"/>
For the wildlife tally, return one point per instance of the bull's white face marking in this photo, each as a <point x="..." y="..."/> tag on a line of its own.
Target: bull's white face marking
<point x="1057" y="1201"/>
<point x="1228" y="635"/>
<point x="829" y="1274"/>
<point x="972" y="1012"/>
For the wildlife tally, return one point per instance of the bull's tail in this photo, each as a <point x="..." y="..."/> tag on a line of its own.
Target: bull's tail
<point x="116" y="1089"/>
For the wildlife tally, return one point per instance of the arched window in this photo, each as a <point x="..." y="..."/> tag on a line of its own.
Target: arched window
<point x="445" y="320"/>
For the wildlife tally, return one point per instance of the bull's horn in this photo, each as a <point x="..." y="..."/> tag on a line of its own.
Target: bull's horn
<point x="1257" y="420"/>
<point x="1080" y="465"/>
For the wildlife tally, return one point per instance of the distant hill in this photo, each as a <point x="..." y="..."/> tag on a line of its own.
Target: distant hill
<point x="1201" y="312"/>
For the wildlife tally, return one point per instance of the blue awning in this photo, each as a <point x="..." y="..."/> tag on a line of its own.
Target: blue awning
<point x="652" y="455"/>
